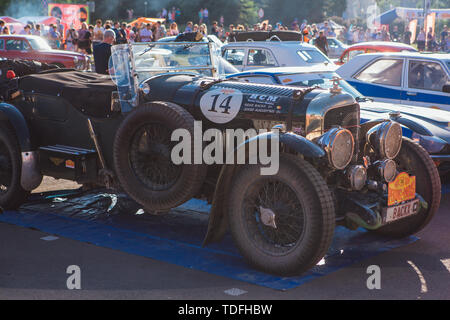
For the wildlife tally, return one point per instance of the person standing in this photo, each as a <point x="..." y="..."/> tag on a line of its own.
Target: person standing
<point x="206" y="16"/>
<point x="189" y="27"/>
<point x="159" y="31"/>
<point x="102" y="52"/>
<point x="200" y="16"/>
<point x="173" y="31"/>
<point x="421" y="38"/>
<point x="444" y="36"/>
<point x="407" y="36"/>
<point x="37" y="31"/>
<point x="430" y="40"/>
<point x="72" y="39"/>
<point x="2" y="26"/>
<point x="322" y="42"/>
<point x="146" y="33"/>
<point x="98" y="32"/>
<point x="26" y="30"/>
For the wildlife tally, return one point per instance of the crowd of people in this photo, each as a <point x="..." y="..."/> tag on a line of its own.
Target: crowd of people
<point x="87" y="36"/>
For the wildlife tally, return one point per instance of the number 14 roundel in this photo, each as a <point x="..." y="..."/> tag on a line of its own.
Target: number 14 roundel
<point x="221" y="105"/>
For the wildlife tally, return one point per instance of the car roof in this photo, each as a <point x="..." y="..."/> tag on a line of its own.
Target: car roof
<point x="381" y="44"/>
<point x="22" y="36"/>
<point x="291" y="70"/>
<point x="278" y="44"/>
<point x="437" y="56"/>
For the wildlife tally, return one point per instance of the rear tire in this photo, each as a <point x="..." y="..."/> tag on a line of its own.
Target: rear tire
<point x="415" y="160"/>
<point x="142" y="157"/>
<point x="12" y="195"/>
<point x="304" y="217"/>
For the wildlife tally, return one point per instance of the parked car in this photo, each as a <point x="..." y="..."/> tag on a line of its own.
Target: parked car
<point x="372" y="47"/>
<point x="119" y="132"/>
<point x="405" y="78"/>
<point x="35" y="48"/>
<point x="336" y="47"/>
<point x="265" y="54"/>
<point x="430" y="128"/>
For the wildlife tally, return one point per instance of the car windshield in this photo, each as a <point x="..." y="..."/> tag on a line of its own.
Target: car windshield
<point x="313" y="56"/>
<point x="39" y="44"/>
<point x="323" y="80"/>
<point x="132" y="64"/>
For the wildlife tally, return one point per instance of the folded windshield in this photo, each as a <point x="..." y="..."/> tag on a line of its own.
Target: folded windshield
<point x="131" y="64"/>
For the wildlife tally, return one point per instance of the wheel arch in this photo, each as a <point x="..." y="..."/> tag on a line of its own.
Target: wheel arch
<point x="218" y="218"/>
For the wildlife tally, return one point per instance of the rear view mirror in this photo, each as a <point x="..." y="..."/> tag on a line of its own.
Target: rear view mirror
<point x="446" y="88"/>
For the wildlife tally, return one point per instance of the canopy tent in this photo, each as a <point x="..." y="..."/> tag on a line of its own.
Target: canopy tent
<point x="409" y="14"/>
<point x="14" y="25"/>
<point x="146" y="20"/>
<point x="42" y="20"/>
<point x="9" y="19"/>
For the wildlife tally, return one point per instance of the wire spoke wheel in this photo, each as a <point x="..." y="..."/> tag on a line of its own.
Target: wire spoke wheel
<point x="279" y="232"/>
<point x="5" y="169"/>
<point x="150" y="157"/>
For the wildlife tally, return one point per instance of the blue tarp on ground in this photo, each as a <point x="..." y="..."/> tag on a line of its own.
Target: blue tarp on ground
<point x="114" y="221"/>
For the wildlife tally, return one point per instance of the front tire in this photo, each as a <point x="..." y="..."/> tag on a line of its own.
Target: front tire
<point x="303" y="217"/>
<point x="12" y="195"/>
<point x="415" y="160"/>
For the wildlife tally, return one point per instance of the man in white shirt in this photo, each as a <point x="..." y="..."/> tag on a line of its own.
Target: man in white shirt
<point x="146" y="34"/>
<point x="98" y="32"/>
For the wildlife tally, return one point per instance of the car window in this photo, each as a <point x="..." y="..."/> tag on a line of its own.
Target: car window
<point x="16" y="45"/>
<point x="260" y="57"/>
<point x="385" y="71"/>
<point x="234" y="56"/>
<point x="312" y="56"/>
<point x="426" y="75"/>
<point x="2" y="44"/>
<point x="332" y="43"/>
<point x="355" y="53"/>
<point x="257" y="79"/>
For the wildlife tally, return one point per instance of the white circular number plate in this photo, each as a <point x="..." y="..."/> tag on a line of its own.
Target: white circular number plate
<point x="221" y="105"/>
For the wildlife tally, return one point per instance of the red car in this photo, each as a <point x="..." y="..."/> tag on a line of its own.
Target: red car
<point x="372" y="47"/>
<point x="36" y="48"/>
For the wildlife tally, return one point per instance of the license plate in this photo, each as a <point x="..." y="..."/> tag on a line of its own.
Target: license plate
<point x="399" y="212"/>
<point x="402" y="189"/>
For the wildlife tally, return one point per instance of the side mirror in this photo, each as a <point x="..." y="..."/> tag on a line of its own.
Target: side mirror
<point x="446" y="88"/>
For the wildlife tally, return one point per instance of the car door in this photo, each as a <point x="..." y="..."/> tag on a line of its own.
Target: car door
<point x="258" y="58"/>
<point x="381" y="79"/>
<point x="425" y="82"/>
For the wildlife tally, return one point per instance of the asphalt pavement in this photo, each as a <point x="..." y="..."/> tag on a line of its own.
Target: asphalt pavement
<point x="33" y="268"/>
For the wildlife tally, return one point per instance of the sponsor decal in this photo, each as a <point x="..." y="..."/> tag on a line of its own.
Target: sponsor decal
<point x="70" y="164"/>
<point x="57" y="161"/>
<point x="402" y="189"/>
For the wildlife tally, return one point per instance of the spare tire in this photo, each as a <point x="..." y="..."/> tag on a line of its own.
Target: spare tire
<point x="142" y="157"/>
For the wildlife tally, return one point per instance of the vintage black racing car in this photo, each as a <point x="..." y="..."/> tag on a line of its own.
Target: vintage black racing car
<point x="118" y="131"/>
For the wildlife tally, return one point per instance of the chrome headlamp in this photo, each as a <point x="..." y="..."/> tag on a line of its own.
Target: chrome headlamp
<point x="339" y="146"/>
<point x="386" y="139"/>
<point x="387" y="169"/>
<point x="145" y="88"/>
<point x="356" y="177"/>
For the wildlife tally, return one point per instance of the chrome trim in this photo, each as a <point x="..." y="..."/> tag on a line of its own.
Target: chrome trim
<point x="31" y="176"/>
<point x="440" y="157"/>
<point x="327" y="141"/>
<point x="318" y="109"/>
<point x="376" y="137"/>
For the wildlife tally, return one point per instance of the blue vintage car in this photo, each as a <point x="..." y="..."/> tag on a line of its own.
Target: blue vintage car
<point x="408" y="78"/>
<point x="430" y="128"/>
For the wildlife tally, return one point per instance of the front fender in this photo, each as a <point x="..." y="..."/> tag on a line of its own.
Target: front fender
<point x="31" y="177"/>
<point x="218" y="219"/>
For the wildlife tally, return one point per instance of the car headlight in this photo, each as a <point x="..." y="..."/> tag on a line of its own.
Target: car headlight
<point x="145" y="88"/>
<point x="356" y="177"/>
<point x="339" y="146"/>
<point x="386" y="139"/>
<point x="387" y="170"/>
<point x="432" y="144"/>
